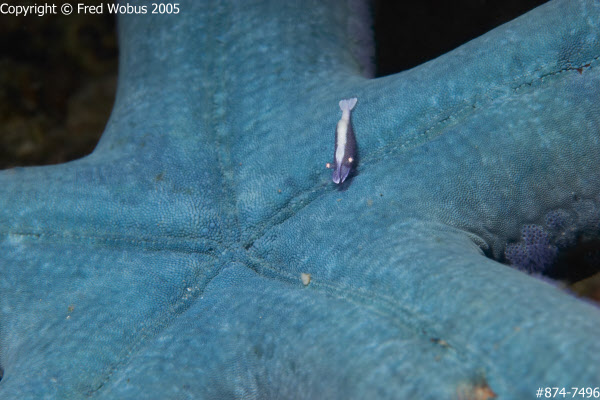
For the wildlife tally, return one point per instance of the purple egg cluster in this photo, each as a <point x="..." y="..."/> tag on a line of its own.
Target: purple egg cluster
<point x="556" y="220"/>
<point x="535" y="253"/>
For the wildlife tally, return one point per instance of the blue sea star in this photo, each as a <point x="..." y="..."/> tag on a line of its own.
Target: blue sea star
<point x="167" y="264"/>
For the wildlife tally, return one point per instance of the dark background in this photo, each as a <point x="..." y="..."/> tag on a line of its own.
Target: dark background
<point x="57" y="86"/>
<point x="408" y="33"/>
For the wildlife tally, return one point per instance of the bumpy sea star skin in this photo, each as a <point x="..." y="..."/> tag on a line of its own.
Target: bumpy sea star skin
<point x="168" y="263"/>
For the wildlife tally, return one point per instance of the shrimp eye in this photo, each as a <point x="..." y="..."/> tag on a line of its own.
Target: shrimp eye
<point x="350" y="159"/>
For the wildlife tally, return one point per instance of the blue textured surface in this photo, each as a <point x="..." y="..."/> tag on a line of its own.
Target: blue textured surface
<point x="167" y="263"/>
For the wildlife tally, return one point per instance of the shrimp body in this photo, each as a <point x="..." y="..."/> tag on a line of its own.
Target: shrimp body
<point x="344" y="154"/>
